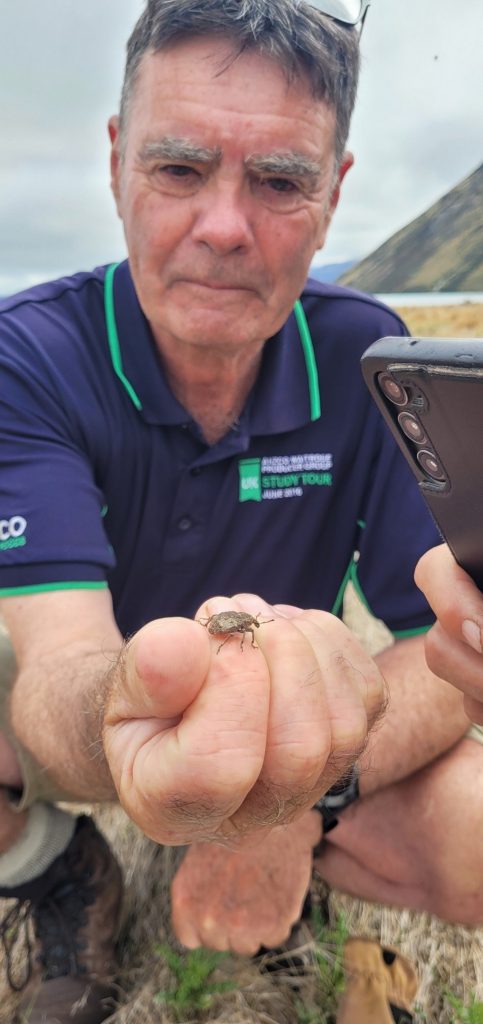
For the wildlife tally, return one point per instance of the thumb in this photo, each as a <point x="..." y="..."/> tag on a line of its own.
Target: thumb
<point x="161" y="671"/>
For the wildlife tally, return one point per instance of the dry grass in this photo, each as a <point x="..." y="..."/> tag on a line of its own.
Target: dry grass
<point x="465" y="321"/>
<point x="446" y="957"/>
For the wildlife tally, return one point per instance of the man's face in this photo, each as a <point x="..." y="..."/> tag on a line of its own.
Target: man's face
<point x="226" y="188"/>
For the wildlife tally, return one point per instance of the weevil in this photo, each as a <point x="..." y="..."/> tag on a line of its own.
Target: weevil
<point x="230" y="623"/>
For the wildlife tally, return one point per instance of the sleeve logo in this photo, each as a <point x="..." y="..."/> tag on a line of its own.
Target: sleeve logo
<point x="12" y="533"/>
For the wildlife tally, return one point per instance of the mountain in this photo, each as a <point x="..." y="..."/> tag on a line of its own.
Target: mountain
<point x="329" y="272"/>
<point x="441" y="251"/>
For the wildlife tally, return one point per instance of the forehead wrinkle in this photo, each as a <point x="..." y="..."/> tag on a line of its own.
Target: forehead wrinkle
<point x="293" y="164"/>
<point x="170" y="147"/>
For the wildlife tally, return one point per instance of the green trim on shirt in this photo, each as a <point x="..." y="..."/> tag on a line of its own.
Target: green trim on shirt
<point x="41" y="588"/>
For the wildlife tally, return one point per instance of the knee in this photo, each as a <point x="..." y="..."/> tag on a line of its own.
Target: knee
<point x="455" y="892"/>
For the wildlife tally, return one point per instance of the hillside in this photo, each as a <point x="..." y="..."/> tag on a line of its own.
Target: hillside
<point x="330" y="272"/>
<point x="442" y="250"/>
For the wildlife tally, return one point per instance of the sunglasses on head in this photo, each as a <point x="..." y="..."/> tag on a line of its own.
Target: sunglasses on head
<point x="350" y="12"/>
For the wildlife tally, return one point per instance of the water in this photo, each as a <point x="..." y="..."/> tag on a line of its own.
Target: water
<point x="431" y="298"/>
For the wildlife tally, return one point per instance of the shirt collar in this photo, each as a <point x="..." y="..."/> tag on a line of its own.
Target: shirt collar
<point x="279" y="401"/>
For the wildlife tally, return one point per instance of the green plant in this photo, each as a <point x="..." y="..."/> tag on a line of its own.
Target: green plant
<point x="192" y="991"/>
<point x="328" y="954"/>
<point x="472" y="1014"/>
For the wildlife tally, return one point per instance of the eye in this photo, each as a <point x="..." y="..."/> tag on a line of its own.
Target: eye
<point x="177" y="170"/>
<point x="282" y="185"/>
<point x="279" y="194"/>
<point x="178" y="180"/>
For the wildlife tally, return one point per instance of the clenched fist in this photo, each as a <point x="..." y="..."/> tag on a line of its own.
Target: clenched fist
<point x="219" y="746"/>
<point x="243" y="899"/>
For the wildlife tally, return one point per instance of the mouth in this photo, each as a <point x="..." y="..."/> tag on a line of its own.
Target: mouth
<point x="219" y="286"/>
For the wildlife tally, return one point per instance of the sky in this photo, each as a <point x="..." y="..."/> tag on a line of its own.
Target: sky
<point x="417" y="130"/>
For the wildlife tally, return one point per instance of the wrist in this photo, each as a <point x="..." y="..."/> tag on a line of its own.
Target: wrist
<point x="341" y="795"/>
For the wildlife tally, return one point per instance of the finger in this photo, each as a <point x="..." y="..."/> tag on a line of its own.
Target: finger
<point x="288" y="610"/>
<point x="194" y="927"/>
<point x="199" y="773"/>
<point x="455" y="661"/>
<point x="183" y="927"/>
<point x="351" y="659"/>
<point x="322" y="685"/>
<point x="452" y="594"/>
<point x="160" y="671"/>
<point x="352" y="676"/>
<point x="298" y="731"/>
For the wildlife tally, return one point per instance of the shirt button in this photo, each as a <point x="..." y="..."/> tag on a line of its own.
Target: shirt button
<point x="185" y="523"/>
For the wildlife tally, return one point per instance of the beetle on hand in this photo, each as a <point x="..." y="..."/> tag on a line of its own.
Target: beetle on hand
<point x="230" y="623"/>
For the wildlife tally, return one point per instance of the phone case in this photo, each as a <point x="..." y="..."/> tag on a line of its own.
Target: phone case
<point x="430" y="392"/>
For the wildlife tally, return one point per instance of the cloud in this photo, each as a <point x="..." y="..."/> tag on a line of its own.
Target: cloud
<point x="416" y="131"/>
<point x="417" y="127"/>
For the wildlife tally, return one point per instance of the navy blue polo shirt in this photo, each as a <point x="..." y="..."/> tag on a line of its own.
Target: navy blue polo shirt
<point x="105" y="479"/>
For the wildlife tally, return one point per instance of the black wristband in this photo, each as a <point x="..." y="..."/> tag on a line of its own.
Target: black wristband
<point x="337" y="798"/>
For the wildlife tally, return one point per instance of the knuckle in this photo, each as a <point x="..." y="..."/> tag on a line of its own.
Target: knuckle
<point x="349" y="738"/>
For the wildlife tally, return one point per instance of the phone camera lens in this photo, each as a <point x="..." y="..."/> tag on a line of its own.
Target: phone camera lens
<point x="412" y="427"/>
<point x="431" y="464"/>
<point x="391" y="389"/>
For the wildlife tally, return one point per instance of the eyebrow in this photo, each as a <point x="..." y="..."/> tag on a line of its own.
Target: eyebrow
<point x="295" y="165"/>
<point x="173" y="148"/>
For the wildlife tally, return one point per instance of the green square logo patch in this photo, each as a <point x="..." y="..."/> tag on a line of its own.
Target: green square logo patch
<point x="250" y="480"/>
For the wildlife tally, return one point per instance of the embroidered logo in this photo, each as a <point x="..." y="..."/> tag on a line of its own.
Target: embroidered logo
<point x="12" y="533"/>
<point x="283" y="476"/>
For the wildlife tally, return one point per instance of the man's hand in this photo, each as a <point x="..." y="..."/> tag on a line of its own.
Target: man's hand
<point x="454" y="645"/>
<point x="243" y="900"/>
<point x="213" y="746"/>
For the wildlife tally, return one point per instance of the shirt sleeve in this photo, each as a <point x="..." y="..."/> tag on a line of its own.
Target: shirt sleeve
<point x="51" y="528"/>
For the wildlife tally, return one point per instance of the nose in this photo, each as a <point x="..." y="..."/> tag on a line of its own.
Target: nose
<point x="222" y="220"/>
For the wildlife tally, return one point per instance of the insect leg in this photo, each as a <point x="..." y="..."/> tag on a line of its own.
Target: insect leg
<point x="225" y="641"/>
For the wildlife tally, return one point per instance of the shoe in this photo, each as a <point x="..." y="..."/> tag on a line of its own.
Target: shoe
<point x="75" y="912"/>
<point x="381" y="985"/>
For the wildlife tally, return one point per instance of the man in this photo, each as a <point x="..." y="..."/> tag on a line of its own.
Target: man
<point x="165" y="442"/>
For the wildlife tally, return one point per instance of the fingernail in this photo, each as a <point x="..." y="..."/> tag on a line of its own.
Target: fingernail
<point x="472" y="634"/>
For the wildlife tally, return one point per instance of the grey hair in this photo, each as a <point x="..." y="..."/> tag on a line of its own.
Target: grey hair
<point x="304" y="42"/>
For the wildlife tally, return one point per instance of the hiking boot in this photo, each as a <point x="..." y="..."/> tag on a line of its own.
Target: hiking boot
<point x="74" y="909"/>
<point x="381" y="985"/>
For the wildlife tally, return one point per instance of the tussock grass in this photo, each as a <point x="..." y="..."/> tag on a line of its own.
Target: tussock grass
<point x="465" y="321"/>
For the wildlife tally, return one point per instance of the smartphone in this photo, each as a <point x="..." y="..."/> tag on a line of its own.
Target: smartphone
<point x="430" y="393"/>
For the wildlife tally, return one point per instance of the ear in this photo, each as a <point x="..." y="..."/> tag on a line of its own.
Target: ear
<point x="116" y="160"/>
<point x="345" y="165"/>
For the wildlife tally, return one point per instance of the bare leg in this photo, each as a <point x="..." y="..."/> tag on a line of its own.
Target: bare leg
<point x="415" y="839"/>
<point x="418" y="843"/>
